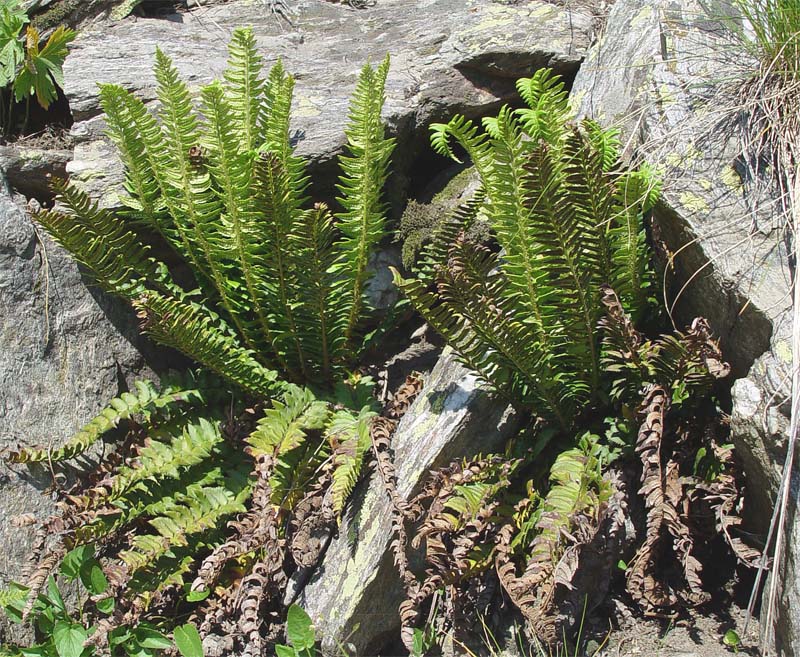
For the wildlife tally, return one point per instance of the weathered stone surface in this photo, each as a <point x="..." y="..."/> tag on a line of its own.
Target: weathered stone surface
<point x="354" y="595"/>
<point x="448" y="56"/>
<point x="27" y="169"/>
<point x="63" y="353"/>
<point x="657" y="73"/>
<point x="655" y="60"/>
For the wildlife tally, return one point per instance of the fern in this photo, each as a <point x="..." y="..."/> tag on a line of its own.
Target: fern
<point x="145" y="400"/>
<point x="567" y="220"/>
<point x="195" y="511"/>
<point x="350" y="435"/>
<point x="223" y="187"/>
<point x="364" y="172"/>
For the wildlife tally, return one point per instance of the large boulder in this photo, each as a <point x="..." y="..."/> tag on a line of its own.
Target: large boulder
<point x="354" y="595"/>
<point x="657" y="73"/>
<point x="64" y="351"/>
<point x="449" y="56"/>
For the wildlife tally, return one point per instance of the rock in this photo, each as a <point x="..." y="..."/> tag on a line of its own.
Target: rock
<point x="27" y="169"/>
<point x="354" y="595"/>
<point x="381" y="291"/>
<point x="64" y="351"/>
<point x="723" y="230"/>
<point x="448" y="56"/>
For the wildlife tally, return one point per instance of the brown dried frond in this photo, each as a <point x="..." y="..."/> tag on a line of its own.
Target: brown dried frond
<point x="313" y="519"/>
<point x="663" y="495"/>
<point x="255" y="529"/>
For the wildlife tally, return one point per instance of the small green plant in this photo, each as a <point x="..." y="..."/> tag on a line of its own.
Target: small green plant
<point x="64" y="635"/>
<point x="732" y="641"/>
<point x="299" y="633"/>
<point x="32" y="69"/>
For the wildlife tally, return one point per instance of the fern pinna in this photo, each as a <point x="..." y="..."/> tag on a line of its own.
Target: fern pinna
<point x="278" y="311"/>
<point x="567" y="219"/>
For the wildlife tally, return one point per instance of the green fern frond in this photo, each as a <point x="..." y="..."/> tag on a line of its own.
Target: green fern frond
<point x="576" y="484"/>
<point x="513" y="200"/>
<point x="139" y="140"/>
<point x="197" y="510"/>
<point x="128" y="121"/>
<point x="244" y="88"/>
<point x="13" y="595"/>
<point x="278" y="274"/>
<point x="312" y="243"/>
<point x="445" y="235"/>
<point x="283" y="427"/>
<point x="275" y="129"/>
<point x="548" y="107"/>
<point x="190" y="190"/>
<point x="113" y="254"/>
<point x="120" y="408"/>
<point x="238" y="226"/>
<point x="469" y="137"/>
<point x="631" y="277"/>
<point x="283" y="433"/>
<point x="362" y="219"/>
<point x="199" y="334"/>
<point x="350" y="437"/>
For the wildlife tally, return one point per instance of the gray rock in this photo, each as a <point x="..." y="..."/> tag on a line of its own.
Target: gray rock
<point x="354" y="595"/>
<point x="27" y="169"/>
<point x="658" y="74"/>
<point x="64" y="351"/>
<point x="448" y="56"/>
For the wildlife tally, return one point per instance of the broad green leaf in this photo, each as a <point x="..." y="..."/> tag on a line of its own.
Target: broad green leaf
<point x="69" y="638"/>
<point x="150" y="638"/>
<point x="35" y="651"/>
<point x="12" y="20"/>
<point x="55" y="595"/>
<point x="93" y="577"/>
<point x="197" y="596"/>
<point x="42" y="69"/>
<point x="74" y="559"/>
<point x="119" y="635"/>
<point x="299" y="631"/>
<point x="105" y="605"/>
<point x="285" y="651"/>
<point x="187" y="638"/>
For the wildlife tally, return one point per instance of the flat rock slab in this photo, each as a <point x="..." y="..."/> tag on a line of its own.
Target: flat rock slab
<point x="354" y="595"/>
<point x="447" y="56"/>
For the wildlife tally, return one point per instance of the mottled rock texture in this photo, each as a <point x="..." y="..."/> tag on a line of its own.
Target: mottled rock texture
<point x="354" y="595"/>
<point x="664" y="72"/>
<point x="64" y="351"/>
<point x="447" y="56"/>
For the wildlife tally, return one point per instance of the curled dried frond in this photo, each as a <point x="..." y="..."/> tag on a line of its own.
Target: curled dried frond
<point x="663" y="493"/>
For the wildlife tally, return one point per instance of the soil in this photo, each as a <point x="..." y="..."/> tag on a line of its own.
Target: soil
<point x="618" y="628"/>
<point x="698" y="636"/>
<point x="52" y="137"/>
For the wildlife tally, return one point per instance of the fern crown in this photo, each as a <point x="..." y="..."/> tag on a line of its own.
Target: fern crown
<point x="567" y="219"/>
<point x="282" y="282"/>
